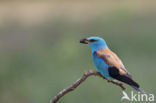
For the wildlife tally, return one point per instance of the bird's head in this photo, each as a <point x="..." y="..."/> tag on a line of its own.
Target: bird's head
<point x="95" y="43"/>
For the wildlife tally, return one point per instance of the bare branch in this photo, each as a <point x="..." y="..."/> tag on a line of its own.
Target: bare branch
<point x="79" y="81"/>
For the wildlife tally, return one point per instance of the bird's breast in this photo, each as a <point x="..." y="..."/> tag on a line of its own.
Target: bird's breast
<point x="99" y="62"/>
<point x="100" y="65"/>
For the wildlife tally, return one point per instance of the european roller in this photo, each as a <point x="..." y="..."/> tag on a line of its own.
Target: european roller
<point x="108" y="63"/>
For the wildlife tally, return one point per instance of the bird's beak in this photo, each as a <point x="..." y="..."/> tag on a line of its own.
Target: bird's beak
<point x="84" y="41"/>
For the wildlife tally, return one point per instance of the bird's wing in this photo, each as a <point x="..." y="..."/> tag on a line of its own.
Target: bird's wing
<point x="112" y="59"/>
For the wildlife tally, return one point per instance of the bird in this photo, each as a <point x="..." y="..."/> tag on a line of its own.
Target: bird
<point x="108" y="63"/>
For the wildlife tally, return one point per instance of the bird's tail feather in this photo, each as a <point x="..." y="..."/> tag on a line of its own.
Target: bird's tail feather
<point x="131" y="82"/>
<point x="139" y="90"/>
<point x="127" y="80"/>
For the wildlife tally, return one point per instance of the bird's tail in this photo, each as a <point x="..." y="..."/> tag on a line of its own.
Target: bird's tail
<point x="130" y="82"/>
<point x="139" y="90"/>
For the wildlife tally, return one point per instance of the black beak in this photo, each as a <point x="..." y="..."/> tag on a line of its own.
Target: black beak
<point x="84" y="41"/>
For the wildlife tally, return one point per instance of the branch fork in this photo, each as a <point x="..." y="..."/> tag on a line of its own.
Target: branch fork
<point x="79" y="81"/>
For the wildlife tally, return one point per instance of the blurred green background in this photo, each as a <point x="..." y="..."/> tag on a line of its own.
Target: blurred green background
<point x="40" y="53"/>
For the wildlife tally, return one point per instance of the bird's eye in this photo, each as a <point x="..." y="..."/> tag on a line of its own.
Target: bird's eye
<point x="92" y="40"/>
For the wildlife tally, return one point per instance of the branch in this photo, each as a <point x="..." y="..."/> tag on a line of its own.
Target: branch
<point x="79" y="81"/>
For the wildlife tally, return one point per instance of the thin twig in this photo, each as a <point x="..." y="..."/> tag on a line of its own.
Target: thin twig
<point x="79" y="81"/>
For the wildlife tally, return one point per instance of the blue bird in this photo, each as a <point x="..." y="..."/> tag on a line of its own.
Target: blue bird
<point x="107" y="62"/>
